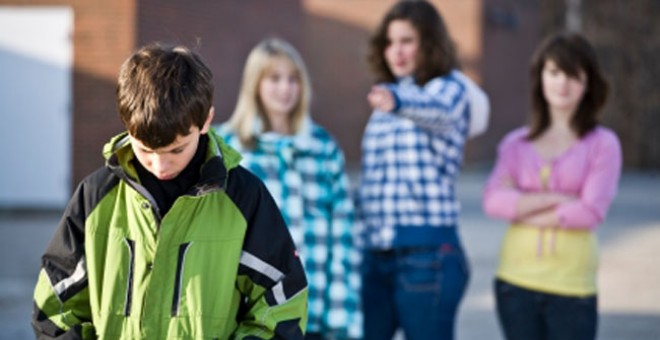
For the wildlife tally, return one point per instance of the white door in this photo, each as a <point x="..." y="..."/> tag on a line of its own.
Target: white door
<point x="35" y="106"/>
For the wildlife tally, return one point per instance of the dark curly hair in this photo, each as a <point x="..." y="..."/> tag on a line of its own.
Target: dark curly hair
<point x="437" y="55"/>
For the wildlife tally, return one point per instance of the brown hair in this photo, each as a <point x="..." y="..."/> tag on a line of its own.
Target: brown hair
<point x="573" y="54"/>
<point x="162" y="91"/>
<point x="437" y="54"/>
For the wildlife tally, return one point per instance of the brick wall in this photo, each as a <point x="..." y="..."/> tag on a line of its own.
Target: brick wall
<point x="103" y="37"/>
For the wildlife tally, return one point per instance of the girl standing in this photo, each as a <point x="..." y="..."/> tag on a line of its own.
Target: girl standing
<point x="414" y="269"/>
<point x="303" y="168"/>
<point x="554" y="181"/>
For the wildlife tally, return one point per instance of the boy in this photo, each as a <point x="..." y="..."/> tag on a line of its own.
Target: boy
<point x="172" y="238"/>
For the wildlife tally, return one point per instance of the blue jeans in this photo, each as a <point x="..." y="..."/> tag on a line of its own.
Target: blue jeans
<point x="417" y="289"/>
<point x="529" y="314"/>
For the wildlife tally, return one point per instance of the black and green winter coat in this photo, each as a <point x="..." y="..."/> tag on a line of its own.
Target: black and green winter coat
<point x="220" y="264"/>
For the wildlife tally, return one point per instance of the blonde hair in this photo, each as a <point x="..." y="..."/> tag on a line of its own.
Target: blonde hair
<point x="259" y="61"/>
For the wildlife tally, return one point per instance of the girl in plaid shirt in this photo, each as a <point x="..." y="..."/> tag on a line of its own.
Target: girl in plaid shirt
<point x="414" y="269"/>
<point x="303" y="168"/>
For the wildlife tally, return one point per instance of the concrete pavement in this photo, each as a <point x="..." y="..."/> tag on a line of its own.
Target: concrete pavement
<point x="629" y="276"/>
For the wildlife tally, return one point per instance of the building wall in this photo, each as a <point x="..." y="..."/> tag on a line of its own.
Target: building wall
<point x="625" y="36"/>
<point x="103" y="35"/>
<point x="223" y="32"/>
<point x="331" y="36"/>
<point x="495" y="39"/>
<point x="511" y="32"/>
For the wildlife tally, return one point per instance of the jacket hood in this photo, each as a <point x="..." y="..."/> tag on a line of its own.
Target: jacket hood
<point x="118" y="152"/>
<point x="301" y="140"/>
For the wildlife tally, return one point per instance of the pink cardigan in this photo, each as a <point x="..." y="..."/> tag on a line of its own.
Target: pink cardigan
<point x="589" y="169"/>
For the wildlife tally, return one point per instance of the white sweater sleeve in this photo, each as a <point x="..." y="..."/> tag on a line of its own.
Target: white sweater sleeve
<point x="479" y="107"/>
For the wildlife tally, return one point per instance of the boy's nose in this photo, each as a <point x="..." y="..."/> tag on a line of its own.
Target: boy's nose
<point x="159" y="164"/>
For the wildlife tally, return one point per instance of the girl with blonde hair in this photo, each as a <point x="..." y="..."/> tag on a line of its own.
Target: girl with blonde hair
<point x="303" y="168"/>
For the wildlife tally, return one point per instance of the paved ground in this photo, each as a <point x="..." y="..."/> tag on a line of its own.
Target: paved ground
<point x="629" y="275"/>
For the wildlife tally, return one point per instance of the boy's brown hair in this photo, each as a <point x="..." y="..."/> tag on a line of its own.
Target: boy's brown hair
<point x="163" y="91"/>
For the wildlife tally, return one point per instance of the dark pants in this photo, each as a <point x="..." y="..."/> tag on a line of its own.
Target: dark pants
<point x="526" y="314"/>
<point x="417" y="289"/>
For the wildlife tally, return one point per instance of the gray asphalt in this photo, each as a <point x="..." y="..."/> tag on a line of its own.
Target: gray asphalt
<point x="629" y="276"/>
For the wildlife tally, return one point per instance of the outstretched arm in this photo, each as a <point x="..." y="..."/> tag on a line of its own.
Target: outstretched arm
<point x="435" y="106"/>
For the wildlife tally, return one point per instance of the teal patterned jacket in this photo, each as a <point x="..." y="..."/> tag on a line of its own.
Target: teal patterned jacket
<point x="305" y="173"/>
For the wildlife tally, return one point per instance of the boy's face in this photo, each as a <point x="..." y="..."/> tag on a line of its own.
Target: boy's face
<point x="166" y="163"/>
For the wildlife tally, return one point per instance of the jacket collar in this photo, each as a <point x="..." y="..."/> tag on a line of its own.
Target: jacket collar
<point x="301" y="140"/>
<point x="220" y="159"/>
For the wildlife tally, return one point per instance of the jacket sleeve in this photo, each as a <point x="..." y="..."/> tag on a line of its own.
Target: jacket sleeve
<point x="270" y="275"/>
<point x="479" y="106"/>
<point x="342" y="293"/>
<point x="61" y="299"/>
<point x="437" y="106"/>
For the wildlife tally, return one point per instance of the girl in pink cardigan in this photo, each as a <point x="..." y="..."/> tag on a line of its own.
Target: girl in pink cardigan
<point x="554" y="182"/>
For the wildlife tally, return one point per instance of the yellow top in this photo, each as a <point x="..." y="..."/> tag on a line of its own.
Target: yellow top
<point x="551" y="260"/>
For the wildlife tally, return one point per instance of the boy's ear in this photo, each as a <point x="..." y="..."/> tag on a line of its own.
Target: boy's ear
<point x="209" y="120"/>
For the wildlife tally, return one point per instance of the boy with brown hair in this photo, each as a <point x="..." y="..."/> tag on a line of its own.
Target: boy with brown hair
<point x="171" y="238"/>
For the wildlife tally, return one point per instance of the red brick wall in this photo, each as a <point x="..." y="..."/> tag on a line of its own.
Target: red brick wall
<point x="103" y="36"/>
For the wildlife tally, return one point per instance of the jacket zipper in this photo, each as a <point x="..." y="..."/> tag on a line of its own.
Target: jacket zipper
<point x="130" y="244"/>
<point x="178" y="278"/>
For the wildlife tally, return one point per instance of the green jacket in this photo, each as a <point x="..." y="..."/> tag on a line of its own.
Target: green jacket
<point x="219" y="265"/>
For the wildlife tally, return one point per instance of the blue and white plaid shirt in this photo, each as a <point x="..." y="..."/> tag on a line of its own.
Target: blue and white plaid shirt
<point x="305" y="174"/>
<point x="411" y="158"/>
